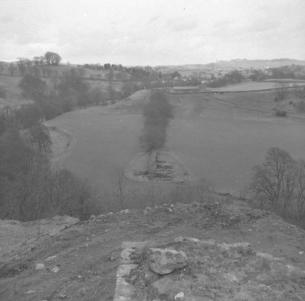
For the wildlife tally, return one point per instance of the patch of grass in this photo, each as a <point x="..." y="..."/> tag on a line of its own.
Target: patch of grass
<point x="300" y="106"/>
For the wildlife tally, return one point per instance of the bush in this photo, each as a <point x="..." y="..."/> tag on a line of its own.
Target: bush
<point x="96" y="97"/>
<point x="28" y="115"/>
<point x="280" y="113"/>
<point x="300" y="106"/>
<point x="33" y="87"/>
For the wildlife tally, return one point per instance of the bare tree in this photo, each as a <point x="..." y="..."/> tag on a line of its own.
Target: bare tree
<point x="279" y="184"/>
<point x="273" y="179"/>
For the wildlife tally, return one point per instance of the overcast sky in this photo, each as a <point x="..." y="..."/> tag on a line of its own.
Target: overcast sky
<point x="152" y="32"/>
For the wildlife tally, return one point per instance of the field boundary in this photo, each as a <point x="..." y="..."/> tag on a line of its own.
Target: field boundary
<point x="236" y="91"/>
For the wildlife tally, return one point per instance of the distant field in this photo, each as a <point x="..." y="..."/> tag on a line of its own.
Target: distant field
<point x="249" y="86"/>
<point x="217" y="139"/>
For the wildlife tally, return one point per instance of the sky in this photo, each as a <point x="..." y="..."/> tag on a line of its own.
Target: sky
<point x="152" y="32"/>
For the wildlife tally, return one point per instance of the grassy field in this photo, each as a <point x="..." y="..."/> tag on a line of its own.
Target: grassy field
<point x="252" y="86"/>
<point x="216" y="139"/>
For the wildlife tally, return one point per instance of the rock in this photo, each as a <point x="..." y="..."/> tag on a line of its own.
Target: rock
<point x="238" y="249"/>
<point x="56" y="269"/>
<point x="62" y="296"/>
<point x="165" y="261"/>
<point x="50" y="258"/>
<point x="92" y="218"/>
<point x="39" y="266"/>
<point x="164" y="286"/>
<point x="147" y="210"/>
<point x="82" y="291"/>
<point x="179" y="296"/>
<point x="182" y="239"/>
<point x="30" y="292"/>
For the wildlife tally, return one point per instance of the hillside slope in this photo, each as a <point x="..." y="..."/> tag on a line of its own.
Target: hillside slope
<point x="81" y="261"/>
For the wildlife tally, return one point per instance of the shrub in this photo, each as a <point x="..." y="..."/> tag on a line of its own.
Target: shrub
<point x="280" y="113"/>
<point x="300" y="106"/>
<point x="33" y="87"/>
<point x="96" y="97"/>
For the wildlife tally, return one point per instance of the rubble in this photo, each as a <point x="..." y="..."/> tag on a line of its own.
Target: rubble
<point x="39" y="266"/>
<point x="165" y="261"/>
<point x="192" y="269"/>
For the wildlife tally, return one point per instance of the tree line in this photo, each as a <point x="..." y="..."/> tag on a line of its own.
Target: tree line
<point x="29" y="187"/>
<point x="52" y="98"/>
<point x="233" y="77"/>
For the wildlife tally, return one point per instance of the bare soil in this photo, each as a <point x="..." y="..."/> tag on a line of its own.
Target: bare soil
<point x="86" y="255"/>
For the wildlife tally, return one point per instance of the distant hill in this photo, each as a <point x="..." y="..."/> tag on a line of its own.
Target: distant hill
<point x="230" y="65"/>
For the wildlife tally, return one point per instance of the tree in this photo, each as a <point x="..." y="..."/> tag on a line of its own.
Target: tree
<point x="15" y="156"/>
<point x="128" y="88"/>
<point x="73" y="90"/>
<point x="157" y="114"/>
<point x="279" y="184"/>
<point x="3" y="92"/>
<point x="12" y="69"/>
<point x="39" y="60"/>
<point x="29" y="188"/>
<point x="40" y="138"/>
<point x="272" y="180"/>
<point x="257" y="75"/>
<point x="96" y="96"/>
<point x="52" y="58"/>
<point x="28" y="115"/>
<point x="33" y="87"/>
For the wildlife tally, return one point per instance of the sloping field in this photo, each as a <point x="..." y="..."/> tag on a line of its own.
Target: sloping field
<point x="216" y="139"/>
